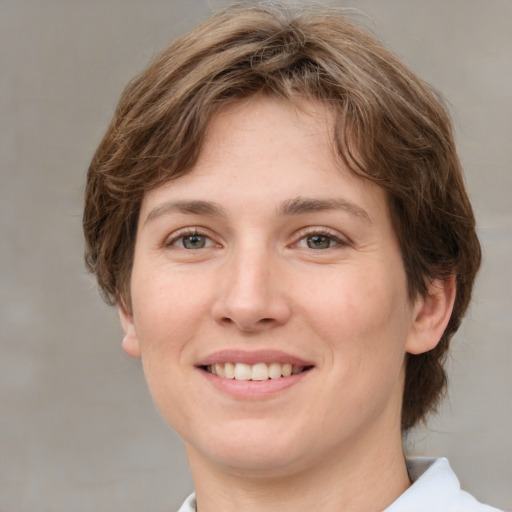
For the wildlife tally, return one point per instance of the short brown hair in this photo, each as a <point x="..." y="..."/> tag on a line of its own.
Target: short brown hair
<point x="391" y="128"/>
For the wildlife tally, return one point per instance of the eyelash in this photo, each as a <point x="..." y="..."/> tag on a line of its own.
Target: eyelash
<point x="321" y="232"/>
<point x="301" y="235"/>
<point x="184" y="233"/>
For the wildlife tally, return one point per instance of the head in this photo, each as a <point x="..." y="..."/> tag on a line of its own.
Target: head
<point x="390" y="128"/>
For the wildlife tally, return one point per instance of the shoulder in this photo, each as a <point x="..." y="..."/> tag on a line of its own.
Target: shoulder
<point x="435" y="488"/>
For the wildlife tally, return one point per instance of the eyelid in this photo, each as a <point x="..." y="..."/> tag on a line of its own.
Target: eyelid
<point x="341" y="239"/>
<point x="171" y="239"/>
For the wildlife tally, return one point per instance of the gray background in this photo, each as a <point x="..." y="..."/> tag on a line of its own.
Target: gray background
<point x="78" y="431"/>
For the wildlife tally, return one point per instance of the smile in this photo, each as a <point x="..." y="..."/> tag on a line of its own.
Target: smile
<point x="258" y="371"/>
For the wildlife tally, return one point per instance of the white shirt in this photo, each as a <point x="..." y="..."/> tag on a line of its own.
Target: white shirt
<point x="435" y="488"/>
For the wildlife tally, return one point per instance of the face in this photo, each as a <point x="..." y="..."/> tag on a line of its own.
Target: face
<point x="269" y="297"/>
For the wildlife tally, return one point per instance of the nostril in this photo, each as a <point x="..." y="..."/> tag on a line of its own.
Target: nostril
<point x="226" y="320"/>
<point x="248" y="325"/>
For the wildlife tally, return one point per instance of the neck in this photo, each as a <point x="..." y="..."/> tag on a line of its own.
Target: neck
<point x="351" y="480"/>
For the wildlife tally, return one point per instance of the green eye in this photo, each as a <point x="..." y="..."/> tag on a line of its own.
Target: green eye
<point x="193" y="241"/>
<point x="319" y="242"/>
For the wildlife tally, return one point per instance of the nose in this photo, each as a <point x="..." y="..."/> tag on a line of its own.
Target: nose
<point x="251" y="293"/>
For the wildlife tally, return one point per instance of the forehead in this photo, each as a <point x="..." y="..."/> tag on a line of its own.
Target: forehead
<point x="265" y="148"/>
<point x="269" y="123"/>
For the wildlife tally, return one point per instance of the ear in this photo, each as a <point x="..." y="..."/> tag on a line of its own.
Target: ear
<point x="431" y="316"/>
<point x="131" y="343"/>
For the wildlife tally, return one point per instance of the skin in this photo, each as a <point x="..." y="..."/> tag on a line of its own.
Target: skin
<point x="233" y="257"/>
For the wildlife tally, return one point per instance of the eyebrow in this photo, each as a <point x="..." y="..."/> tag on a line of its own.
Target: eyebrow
<point x="193" y="207"/>
<point x="301" y="205"/>
<point x="297" y="206"/>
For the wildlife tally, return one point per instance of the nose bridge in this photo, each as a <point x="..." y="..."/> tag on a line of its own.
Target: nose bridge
<point x="250" y="295"/>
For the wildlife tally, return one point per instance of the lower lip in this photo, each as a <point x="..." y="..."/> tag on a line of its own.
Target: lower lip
<point x="253" y="389"/>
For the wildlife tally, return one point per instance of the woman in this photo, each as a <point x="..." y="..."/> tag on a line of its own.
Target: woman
<point x="278" y="210"/>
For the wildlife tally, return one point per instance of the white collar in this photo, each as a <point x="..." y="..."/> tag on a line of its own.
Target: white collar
<point x="435" y="488"/>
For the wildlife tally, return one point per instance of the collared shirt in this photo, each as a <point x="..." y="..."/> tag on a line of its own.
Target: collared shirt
<point x="435" y="488"/>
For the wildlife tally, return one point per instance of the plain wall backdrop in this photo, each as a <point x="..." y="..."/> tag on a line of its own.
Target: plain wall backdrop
<point x="78" y="430"/>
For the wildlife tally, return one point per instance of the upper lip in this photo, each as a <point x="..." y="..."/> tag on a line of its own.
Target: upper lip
<point x="253" y="357"/>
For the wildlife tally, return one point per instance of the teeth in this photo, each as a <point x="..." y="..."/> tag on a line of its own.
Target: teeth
<point x="287" y="370"/>
<point x="258" y="371"/>
<point x="274" y="370"/>
<point x="243" y="371"/>
<point x="229" y="371"/>
<point x="219" y="370"/>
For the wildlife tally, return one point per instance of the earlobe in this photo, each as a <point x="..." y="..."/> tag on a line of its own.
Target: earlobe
<point x="130" y="340"/>
<point x="431" y="316"/>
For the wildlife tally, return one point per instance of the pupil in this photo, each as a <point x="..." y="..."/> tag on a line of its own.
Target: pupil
<point x="318" y="242"/>
<point x="194" y="242"/>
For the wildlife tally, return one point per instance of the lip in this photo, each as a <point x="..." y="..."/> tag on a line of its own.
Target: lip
<point x="249" y="389"/>
<point x="253" y="389"/>
<point x="253" y="357"/>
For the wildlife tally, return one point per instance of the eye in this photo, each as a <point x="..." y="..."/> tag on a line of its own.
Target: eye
<point x="191" y="241"/>
<point x="319" y="240"/>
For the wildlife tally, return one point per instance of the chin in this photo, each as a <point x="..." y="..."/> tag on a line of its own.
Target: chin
<point x="257" y="451"/>
<point x="260" y="463"/>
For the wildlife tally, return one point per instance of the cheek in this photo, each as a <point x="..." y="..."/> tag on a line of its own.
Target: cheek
<point x="363" y="318"/>
<point x="361" y="323"/>
<point x="167" y="306"/>
<point x="166" y="314"/>
<point x="357" y="300"/>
